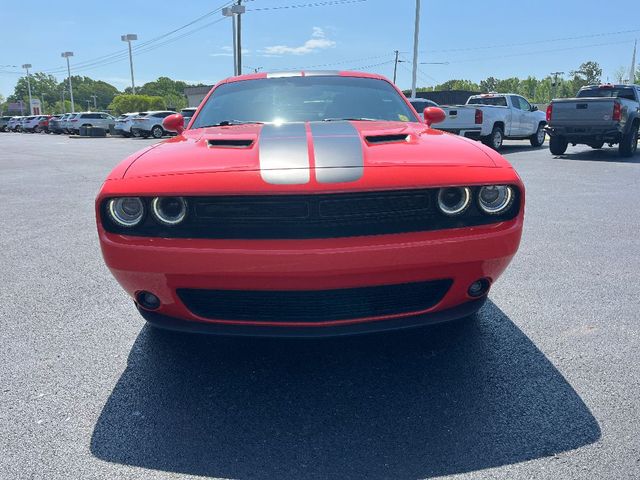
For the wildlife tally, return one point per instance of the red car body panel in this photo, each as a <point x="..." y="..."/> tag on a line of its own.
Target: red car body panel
<point x="186" y="166"/>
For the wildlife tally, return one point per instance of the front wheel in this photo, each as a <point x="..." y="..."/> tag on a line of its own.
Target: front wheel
<point x="558" y="145"/>
<point x="597" y="145"/>
<point x="537" y="139"/>
<point x="629" y="143"/>
<point x="157" y="132"/>
<point x="495" y="139"/>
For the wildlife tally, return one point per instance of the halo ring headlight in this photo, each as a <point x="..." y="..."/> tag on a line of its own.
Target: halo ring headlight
<point x="169" y="210"/>
<point x="495" y="199"/>
<point x="126" y="211"/>
<point x="454" y="201"/>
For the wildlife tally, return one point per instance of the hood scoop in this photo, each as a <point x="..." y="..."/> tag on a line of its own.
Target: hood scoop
<point x="230" y="142"/>
<point x="387" y="138"/>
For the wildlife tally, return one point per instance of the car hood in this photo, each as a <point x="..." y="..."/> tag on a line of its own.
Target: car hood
<point x="308" y="146"/>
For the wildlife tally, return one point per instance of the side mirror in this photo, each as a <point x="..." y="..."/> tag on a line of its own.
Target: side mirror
<point x="174" y="123"/>
<point x="534" y="108"/>
<point x="434" y="115"/>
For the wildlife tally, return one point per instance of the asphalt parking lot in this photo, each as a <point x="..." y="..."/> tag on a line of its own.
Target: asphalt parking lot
<point x="544" y="384"/>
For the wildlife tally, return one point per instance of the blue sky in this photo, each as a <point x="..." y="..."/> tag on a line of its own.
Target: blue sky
<point x="502" y="38"/>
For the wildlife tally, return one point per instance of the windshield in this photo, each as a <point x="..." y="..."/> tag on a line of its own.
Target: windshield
<point x="302" y="99"/>
<point x="616" y="92"/>
<point x="495" y="101"/>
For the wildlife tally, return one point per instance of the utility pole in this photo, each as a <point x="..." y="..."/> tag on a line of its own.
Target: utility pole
<point x="88" y="105"/>
<point x="416" y="33"/>
<point x="395" y="66"/>
<point x="239" y="11"/>
<point x="67" y="55"/>
<point x="27" y="66"/>
<point x="64" y="107"/>
<point x="95" y="102"/>
<point x="129" y="37"/>
<point x="632" y="72"/>
<point x="42" y="106"/>
<point x="555" y="83"/>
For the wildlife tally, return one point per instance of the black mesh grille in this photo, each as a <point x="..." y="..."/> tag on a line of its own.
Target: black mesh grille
<point x="310" y="216"/>
<point x="314" y="306"/>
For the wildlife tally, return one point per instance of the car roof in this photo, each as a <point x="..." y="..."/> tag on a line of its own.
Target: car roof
<point x="303" y="73"/>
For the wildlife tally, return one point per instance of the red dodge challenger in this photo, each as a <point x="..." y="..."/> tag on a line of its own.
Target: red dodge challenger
<point x="309" y="204"/>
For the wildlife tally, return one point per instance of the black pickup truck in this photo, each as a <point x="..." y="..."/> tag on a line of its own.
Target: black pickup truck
<point x="599" y="114"/>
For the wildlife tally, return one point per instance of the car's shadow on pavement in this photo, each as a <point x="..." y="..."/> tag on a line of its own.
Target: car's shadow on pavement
<point x="599" y="155"/>
<point x="447" y="399"/>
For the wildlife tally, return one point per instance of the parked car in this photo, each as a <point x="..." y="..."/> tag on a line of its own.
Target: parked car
<point x="421" y="103"/>
<point x="65" y="122"/>
<point x="55" y="124"/>
<point x="495" y="117"/>
<point x="124" y="122"/>
<point x="14" y="123"/>
<point x="597" y="115"/>
<point x="187" y="113"/>
<point x="150" y="124"/>
<point x="90" y="119"/>
<point x="310" y="204"/>
<point x="30" y="123"/>
<point x="4" y="123"/>
<point x="43" y="124"/>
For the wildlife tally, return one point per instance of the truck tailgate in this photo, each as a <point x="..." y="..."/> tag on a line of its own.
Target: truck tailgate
<point x="582" y="111"/>
<point x="459" y="117"/>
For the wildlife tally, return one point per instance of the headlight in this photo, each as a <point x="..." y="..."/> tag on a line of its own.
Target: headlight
<point x="126" y="211"/>
<point x="495" y="199"/>
<point x="169" y="210"/>
<point x="454" y="200"/>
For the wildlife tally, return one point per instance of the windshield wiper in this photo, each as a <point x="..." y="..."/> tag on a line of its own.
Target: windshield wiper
<point x="353" y="119"/>
<point x="226" y="123"/>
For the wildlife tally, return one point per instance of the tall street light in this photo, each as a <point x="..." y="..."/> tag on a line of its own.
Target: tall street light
<point x="416" y="34"/>
<point x="234" y="12"/>
<point x="129" y="37"/>
<point x="67" y="55"/>
<point x="27" y="66"/>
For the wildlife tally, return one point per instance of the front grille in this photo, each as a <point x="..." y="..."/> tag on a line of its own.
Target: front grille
<point x="310" y="216"/>
<point x="316" y="305"/>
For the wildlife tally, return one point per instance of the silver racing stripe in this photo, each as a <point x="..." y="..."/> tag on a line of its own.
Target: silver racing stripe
<point x="284" y="154"/>
<point x="337" y="149"/>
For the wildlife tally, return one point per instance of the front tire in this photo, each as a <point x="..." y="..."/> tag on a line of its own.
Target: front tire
<point x="496" y="138"/>
<point x="629" y="143"/>
<point x="537" y="139"/>
<point x="597" y="146"/>
<point x="558" y="145"/>
<point x="157" y="132"/>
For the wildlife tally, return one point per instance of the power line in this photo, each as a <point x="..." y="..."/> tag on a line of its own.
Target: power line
<point x="525" y="54"/>
<point x="330" y="3"/>
<point x="536" y="42"/>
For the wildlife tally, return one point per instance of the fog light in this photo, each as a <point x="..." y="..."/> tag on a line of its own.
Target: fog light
<point x="147" y="300"/>
<point x="479" y="288"/>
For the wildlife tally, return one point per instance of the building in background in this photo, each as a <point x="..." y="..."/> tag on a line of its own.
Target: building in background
<point x="195" y="95"/>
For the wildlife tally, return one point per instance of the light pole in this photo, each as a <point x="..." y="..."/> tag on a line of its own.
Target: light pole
<point x="64" y="107"/>
<point x="67" y="55"/>
<point x="88" y="105"/>
<point x="95" y="102"/>
<point x="416" y="32"/>
<point x="234" y="12"/>
<point x="27" y="66"/>
<point x="129" y="37"/>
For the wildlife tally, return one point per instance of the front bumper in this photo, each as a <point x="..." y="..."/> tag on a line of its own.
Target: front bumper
<point x="164" y="266"/>
<point x="472" y="133"/>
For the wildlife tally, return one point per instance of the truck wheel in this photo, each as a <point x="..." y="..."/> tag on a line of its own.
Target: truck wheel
<point x="629" y="143"/>
<point x="597" y="145"/>
<point x="537" y="139"/>
<point x="495" y="139"/>
<point x="558" y="145"/>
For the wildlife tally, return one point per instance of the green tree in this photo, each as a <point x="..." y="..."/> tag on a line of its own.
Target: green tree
<point x="172" y="91"/>
<point x="136" y="103"/>
<point x="85" y="87"/>
<point x="589" y="73"/>
<point x="458" y="85"/>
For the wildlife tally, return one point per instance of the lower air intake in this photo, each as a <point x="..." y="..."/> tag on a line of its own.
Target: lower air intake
<point x="314" y="306"/>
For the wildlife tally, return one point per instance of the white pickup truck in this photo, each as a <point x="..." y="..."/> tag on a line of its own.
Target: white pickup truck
<point x="494" y="117"/>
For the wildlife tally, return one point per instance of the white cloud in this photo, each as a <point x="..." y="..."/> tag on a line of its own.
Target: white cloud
<point x="318" y="41"/>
